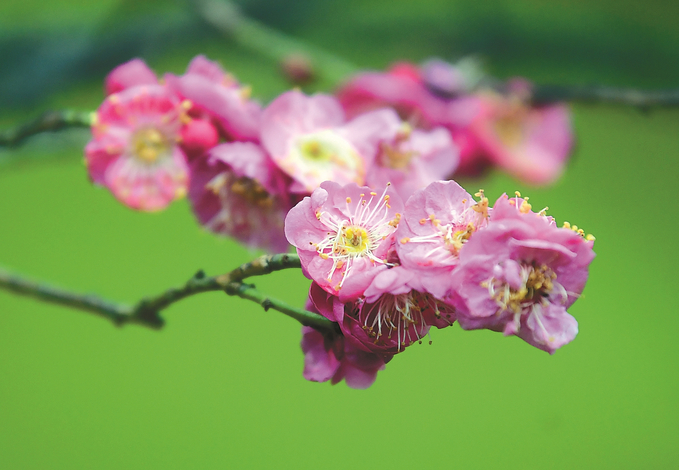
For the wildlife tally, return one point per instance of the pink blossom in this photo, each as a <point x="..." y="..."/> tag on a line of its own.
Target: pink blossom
<point x="411" y="159"/>
<point x="394" y="313"/>
<point x="132" y="73"/>
<point x="134" y="152"/>
<point x="531" y="143"/>
<point x="343" y="232"/>
<point x="436" y="223"/>
<point x="310" y="140"/>
<point x="238" y="191"/>
<point x="401" y="88"/>
<point x="408" y="90"/>
<point x="217" y="97"/>
<point x="520" y="274"/>
<point x="331" y="356"/>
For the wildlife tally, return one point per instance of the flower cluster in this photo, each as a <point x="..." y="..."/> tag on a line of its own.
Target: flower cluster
<point x="387" y="264"/>
<point x="490" y="128"/>
<point x="244" y="166"/>
<point x="387" y="272"/>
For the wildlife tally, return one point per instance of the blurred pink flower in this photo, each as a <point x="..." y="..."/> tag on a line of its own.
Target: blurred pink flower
<point x="132" y="73"/>
<point x="218" y="98"/>
<point x="520" y="274"/>
<point x="134" y="148"/>
<point x="531" y="143"/>
<point x="238" y="191"/>
<point x="309" y="139"/>
<point x="343" y="232"/>
<point x="409" y="158"/>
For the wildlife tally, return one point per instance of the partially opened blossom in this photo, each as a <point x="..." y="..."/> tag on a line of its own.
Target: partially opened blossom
<point x="344" y="232"/>
<point x="217" y="97"/>
<point x="531" y="143"/>
<point x="331" y="356"/>
<point x="436" y="223"/>
<point x="394" y="313"/>
<point x="520" y="274"/>
<point x="238" y="191"/>
<point x="134" y="149"/>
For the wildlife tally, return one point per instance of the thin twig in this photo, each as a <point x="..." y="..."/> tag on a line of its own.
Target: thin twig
<point x="147" y="311"/>
<point x="602" y="94"/>
<point x="48" y="121"/>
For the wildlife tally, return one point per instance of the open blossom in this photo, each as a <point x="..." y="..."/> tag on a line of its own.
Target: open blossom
<point x="436" y="223"/>
<point x="342" y="232"/>
<point x="410" y="158"/>
<point x="134" y="149"/>
<point x="218" y="98"/>
<point x="520" y="274"/>
<point x="238" y="191"/>
<point x="309" y="138"/>
<point x="531" y="143"/>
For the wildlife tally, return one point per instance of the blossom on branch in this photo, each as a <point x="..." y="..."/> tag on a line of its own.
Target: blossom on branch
<point x="520" y="273"/>
<point x="437" y="222"/>
<point x="218" y="98"/>
<point x="134" y="150"/>
<point x="344" y="233"/>
<point x="238" y="191"/>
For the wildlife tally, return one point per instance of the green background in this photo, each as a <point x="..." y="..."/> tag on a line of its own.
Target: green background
<point x="221" y="386"/>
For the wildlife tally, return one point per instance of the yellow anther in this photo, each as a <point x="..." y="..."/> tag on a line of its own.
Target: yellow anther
<point x="348" y="200"/>
<point x="372" y="193"/>
<point x="590" y="237"/>
<point x="566" y="225"/>
<point x="405" y="240"/>
<point x="518" y="194"/>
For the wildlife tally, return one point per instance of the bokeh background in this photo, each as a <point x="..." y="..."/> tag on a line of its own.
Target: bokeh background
<point x="221" y="385"/>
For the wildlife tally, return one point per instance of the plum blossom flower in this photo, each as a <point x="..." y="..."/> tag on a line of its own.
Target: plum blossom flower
<point x="132" y="73"/>
<point x="218" y="98"/>
<point x="520" y="274"/>
<point x="309" y="138"/>
<point x="134" y="149"/>
<point x="342" y="232"/>
<point x="531" y="143"/>
<point x="437" y="222"/>
<point x="331" y="356"/>
<point x="238" y="191"/>
<point x="410" y="158"/>
<point x="394" y="313"/>
<point x="412" y="92"/>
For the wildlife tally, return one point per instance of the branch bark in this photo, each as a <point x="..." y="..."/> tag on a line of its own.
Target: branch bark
<point x="146" y="312"/>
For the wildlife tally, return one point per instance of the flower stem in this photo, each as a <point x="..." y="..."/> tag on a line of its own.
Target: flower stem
<point x="147" y="311"/>
<point x="48" y="121"/>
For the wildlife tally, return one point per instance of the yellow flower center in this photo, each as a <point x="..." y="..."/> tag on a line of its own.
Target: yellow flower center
<point x="355" y="240"/>
<point x="149" y="144"/>
<point x="252" y="191"/>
